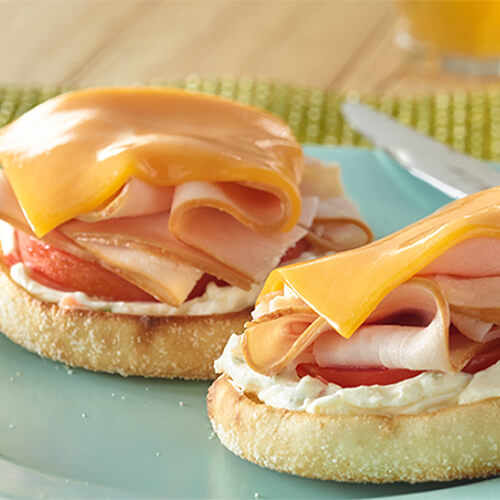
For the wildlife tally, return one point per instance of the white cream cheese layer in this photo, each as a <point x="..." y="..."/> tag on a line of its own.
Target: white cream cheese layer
<point x="426" y="392"/>
<point x="215" y="300"/>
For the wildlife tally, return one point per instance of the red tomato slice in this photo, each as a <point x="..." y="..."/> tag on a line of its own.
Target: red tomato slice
<point x="293" y="252"/>
<point x="201" y="285"/>
<point x="67" y="272"/>
<point x="483" y="361"/>
<point x="71" y="273"/>
<point x="11" y="258"/>
<point x="353" y="377"/>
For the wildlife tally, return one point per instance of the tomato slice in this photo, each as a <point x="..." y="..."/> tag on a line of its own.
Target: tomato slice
<point x="62" y="270"/>
<point x="483" y="361"/>
<point x="202" y="283"/>
<point x="353" y="377"/>
<point x="11" y="258"/>
<point x="293" y="252"/>
<point x="71" y="273"/>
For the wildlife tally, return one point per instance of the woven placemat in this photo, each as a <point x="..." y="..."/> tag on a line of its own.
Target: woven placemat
<point x="467" y="121"/>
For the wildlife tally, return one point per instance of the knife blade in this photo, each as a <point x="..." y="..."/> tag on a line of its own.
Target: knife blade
<point x="455" y="174"/>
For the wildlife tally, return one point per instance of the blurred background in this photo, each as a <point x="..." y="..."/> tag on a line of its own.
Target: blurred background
<point x="329" y="44"/>
<point x="432" y="64"/>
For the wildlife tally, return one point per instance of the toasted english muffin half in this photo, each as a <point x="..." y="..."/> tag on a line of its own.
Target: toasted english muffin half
<point x="150" y="346"/>
<point x="458" y="442"/>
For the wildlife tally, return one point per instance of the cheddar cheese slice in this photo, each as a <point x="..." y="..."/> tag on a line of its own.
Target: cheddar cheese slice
<point x="70" y="155"/>
<point x="345" y="288"/>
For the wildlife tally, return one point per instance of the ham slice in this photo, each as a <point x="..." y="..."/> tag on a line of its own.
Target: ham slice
<point x="475" y="297"/>
<point x="234" y="245"/>
<point x="308" y="212"/>
<point x="57" y="239"/>
<point x="216" y="244"/>
<point x="255" y="208"/>
<point x="164" y="278"/>
<point x="424" y="346"/>
<point x="276" y="302"/>
<point x="225" y="229"/>
<point x="321" y="179"/>
<point x="410" y="329"/>
<point x="473" y="258"/>
<point x="275" y="340"/>
<point x="337" y="224"/>
<point x="475" y="329"/>
<point x="233" y="224"/>
<point x="439" y="322"/>
<point x="212" y="226"/>
<point x="150" y="234"/>
<point x="10" y="211"/>
<point x="136" y="198"/>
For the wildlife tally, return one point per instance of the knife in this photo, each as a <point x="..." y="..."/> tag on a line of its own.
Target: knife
<point x="455" y="174"/>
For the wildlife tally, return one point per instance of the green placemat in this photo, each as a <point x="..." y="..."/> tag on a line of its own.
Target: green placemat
<point x="467" y="121"/>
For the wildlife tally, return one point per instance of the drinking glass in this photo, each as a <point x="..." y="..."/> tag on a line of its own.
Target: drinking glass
<point x="464" y="34"/>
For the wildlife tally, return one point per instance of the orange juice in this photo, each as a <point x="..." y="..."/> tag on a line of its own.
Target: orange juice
<point x="463" y="27"/>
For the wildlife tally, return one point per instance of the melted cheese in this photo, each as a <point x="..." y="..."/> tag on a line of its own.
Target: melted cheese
<point x="74" y="152"/>
<point x="345" y="288"/>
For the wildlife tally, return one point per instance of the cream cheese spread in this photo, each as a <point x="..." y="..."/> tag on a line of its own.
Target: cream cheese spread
<point x="7" y="239"/>
<point x="426" y="392"/>
<point x="215" y="300"/>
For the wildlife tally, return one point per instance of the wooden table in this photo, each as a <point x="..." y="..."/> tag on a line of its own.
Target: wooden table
<point x="338" y="44"/>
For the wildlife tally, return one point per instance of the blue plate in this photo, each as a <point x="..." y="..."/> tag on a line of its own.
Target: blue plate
<point x="71" y="433"/>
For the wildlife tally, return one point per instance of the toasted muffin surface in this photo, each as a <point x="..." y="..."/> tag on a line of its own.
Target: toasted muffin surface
<point x="458" y="442"/>
<point x="170" y="347"/>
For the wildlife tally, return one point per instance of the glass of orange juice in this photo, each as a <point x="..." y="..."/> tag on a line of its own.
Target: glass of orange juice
<point x="464" y="33"/>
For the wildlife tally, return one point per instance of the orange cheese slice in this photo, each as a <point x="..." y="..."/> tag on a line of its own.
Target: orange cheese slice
<point x="345" y="288"/>
<point x="69" y="155"/>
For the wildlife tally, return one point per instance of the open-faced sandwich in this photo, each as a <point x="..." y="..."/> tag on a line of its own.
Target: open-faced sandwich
<point x="378" y="364"/>
<point x="142" y="222"/>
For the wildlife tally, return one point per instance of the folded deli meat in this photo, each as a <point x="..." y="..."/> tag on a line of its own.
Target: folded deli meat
<point x="424" y="298"/>
<point x="166" y="189"/>
<point x="379" y="364"/>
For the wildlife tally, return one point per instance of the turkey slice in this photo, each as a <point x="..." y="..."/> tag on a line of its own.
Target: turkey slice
<point x="472" y="328"/>
<point x="321" y="179"/>
<point x="235" y="246"/>
<point x="10" y="210"/>
<point x="475" y="297"/>
<point x="164" y="278"/>
<point x="151" y="234"/>
<point x="338" y="225"/>
<point x="273" y="341"/>
<point x="255" y="208"/>
<point x="473" y="258"/>
<point x="422" y="344"/>
<point x="409" y="329"/>
<point x="228" y="250"/>
<point x="134" y="199"/>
